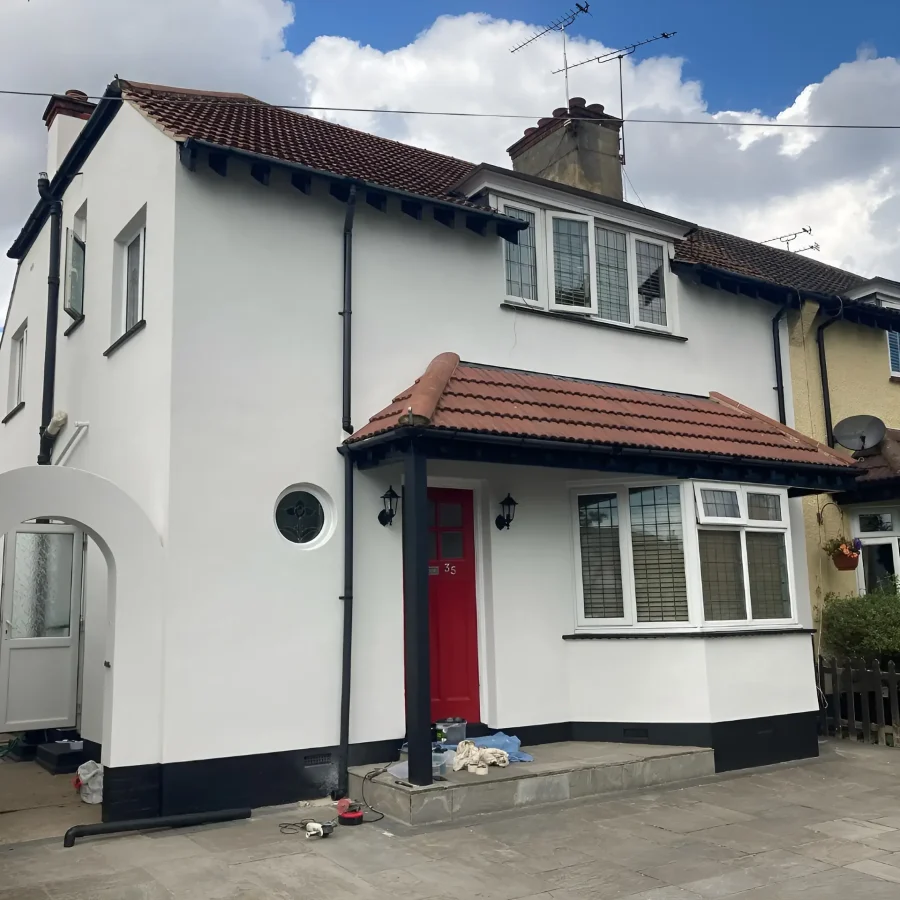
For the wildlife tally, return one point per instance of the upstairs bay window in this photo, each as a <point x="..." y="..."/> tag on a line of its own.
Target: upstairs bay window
<point x="579" y="264"/>
<point x="682" y="556"/>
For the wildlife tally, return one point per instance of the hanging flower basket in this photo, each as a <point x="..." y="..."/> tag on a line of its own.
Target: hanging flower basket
<point x="844" y="552"/>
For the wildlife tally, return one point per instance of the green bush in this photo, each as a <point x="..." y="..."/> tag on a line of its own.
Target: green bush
<point x="866" y="627"/>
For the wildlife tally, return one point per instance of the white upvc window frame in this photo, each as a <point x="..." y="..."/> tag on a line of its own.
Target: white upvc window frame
<point x="589" y="221"/>
<point x="895" y="373"/>
<point x="139" y="235"/>
<point x="540" y="254"/>
<point x="634" y="296"/>
<point x="743" y="526"/>
<point x="628" y="621"/>
<point x="17" y="366"/>
<point x="869" y="538"/>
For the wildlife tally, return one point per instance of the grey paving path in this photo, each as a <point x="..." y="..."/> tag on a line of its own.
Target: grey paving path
<point x="823" y="829"/>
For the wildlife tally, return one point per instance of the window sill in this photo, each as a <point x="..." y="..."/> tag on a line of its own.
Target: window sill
<point x="708" y="633"/>
<point x="14" y="411"/>
<point x="135" y="329"/>
<point x="73" y="326"/>
<point x="589" y="320"/>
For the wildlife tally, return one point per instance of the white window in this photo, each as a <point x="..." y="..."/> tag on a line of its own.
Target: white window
<point x="651" y="282"/>
<point x="521" y="258"/>
<point x="630" y="550"/>
<point x="893" y="339"/>
<point x="130" y="251"/>
<point x="76" y="252"/>
<point x="612" y="274"/>
<point x="744" y="560"/>
<point x="18" y="350"/>
<point x="571" y="250"/>
<point x="878" y="530"/>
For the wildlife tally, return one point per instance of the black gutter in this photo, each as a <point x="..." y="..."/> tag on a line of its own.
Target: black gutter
<point x="54" y="211"/>
<point x="180" y="821"/>
<point x="346" y="423"/>
<point x="823" y="375"/>
<point x="71" y="166"/>
<point x="779" y="371"/>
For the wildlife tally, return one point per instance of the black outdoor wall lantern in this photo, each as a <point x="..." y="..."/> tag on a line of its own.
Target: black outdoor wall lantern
<point x="508" y="505"/>
<point x="389" y="498"/>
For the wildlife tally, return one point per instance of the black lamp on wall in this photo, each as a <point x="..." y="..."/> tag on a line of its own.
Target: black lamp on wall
<point x="508" y="512"/>
<point x="390" y="499"/>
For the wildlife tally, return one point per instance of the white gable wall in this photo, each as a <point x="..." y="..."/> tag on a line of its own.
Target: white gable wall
<point x="254" y="622"/>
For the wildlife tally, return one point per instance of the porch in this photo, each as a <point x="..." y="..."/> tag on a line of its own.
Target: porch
<point x="616" y="480"/>
<point x="562" y="771"/>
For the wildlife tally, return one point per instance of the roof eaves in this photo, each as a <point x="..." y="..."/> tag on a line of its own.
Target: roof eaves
<point x="80" y="150"/>
<point x="508" y="222"/>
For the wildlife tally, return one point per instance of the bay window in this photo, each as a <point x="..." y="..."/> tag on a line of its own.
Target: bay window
<point x="683" y="555"/>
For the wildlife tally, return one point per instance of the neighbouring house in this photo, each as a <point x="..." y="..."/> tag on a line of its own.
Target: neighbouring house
<point x="356" y="436"/>
<point x="844" y="361"/>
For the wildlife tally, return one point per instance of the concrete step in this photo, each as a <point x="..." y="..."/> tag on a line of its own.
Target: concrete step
<point x="560" y="772"/>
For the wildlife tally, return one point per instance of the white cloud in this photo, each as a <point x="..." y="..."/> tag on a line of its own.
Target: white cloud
<point x="758" y="182"/>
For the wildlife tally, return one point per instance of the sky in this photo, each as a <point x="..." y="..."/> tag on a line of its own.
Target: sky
<point x="762" y="61"/>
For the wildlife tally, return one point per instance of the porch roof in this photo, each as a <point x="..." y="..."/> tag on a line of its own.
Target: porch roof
<point x="471" y="403"/>
<point x="879" y="471"/>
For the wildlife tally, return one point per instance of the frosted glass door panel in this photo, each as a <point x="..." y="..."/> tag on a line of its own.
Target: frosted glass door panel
<point x="42" y="589"/>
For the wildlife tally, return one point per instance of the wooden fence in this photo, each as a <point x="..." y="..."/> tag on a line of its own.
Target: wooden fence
<point x="859" y="701"/>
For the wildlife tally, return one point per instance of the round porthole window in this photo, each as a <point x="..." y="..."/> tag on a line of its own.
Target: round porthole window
<point x="300" y="516"/>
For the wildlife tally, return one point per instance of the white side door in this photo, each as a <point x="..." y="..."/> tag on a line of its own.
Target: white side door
<point x="40" y="608"/>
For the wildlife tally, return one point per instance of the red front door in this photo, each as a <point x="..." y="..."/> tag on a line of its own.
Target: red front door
<point x="452" y="607"/>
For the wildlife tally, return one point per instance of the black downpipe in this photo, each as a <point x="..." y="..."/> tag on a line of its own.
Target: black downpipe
<point x="347" y="597"/>
<point x="180" y="821"/>
<point x="823" y="374"/>
<point x="45" y="453"/>
<point x="779" y="370"/>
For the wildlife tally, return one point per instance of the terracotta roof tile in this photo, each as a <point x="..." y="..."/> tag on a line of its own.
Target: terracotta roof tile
<point x="881" y="462"/>
<point x="486" y="400"/>
<point x="245" y="123"/>
<point x="772" y="264"/>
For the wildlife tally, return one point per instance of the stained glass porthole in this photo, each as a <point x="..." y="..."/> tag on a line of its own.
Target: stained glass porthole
<point x="300" y="517"/>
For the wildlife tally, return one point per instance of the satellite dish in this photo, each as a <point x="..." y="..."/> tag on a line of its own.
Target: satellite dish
<point x="859" y="432"/>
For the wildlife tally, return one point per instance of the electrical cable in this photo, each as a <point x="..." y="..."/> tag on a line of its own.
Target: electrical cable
<point x="636" y="194"/>
<point x="300" y="827"/>
<point x="162" y="97"/>
<point x="367" y="777"/>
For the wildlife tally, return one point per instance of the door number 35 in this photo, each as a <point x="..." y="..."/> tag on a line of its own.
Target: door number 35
<point x="449" y="569"/>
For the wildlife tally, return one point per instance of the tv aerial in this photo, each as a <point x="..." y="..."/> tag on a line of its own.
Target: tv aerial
<point x="560" y="25"/>
<point x="859" y="432"/>
<point x="609" y="56"/>
<point x="788" y="239"/>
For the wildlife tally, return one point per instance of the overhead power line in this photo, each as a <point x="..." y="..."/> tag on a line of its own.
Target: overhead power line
<point x="237" y="101"/>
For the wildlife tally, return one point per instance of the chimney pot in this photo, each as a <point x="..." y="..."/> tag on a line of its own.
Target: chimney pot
<point x="530" y="131"/>
<point x="75" y="94"/>
<point x="560" y="111"/>
<point x="542" y="122"/>
<point x="596" y="107"/>
<point x="576" y="101"/>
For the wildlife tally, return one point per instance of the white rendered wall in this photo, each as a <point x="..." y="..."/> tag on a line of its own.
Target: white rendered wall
<point x="125" y="397"/>
<point x="254" y="622"/>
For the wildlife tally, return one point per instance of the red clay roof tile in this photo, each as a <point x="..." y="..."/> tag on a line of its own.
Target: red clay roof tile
<point x="487" y="400"/>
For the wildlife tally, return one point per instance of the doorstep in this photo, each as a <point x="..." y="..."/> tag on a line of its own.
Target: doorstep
<point x="563" y="771"/>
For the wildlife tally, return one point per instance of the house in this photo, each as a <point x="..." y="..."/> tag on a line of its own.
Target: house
<point x="357" y="435"/>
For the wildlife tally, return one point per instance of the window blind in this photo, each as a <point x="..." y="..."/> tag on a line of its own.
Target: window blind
<point x="601" y="561"/>
<point x="651" y="283"/>
<point x="770" y="596"/>
<point x="722" y="575"/>
<point x="894" y="351"/>
<point x="657" y="542"/>
<point x="612" y="274"/>
<point x="521" y="259"/>
<point x="571" y="263"/>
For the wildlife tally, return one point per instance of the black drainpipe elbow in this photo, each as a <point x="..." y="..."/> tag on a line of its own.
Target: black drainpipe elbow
<point x="47" y="435"/>
<point x="779" y="368"/>
<point x="823" y="375"/>
<point x="343" y="779"/>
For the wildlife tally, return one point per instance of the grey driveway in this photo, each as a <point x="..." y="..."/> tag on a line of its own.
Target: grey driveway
<point x="822" y="829"/>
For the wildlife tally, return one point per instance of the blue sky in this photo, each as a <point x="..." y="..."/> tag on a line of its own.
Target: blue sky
<point x="748" y="53"/>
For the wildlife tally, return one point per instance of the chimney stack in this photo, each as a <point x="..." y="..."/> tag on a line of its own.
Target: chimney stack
<point x="578" y="146"/>
<point x="64" y="117"/>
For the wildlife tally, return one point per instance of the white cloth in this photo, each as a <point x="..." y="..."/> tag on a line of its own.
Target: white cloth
<point x="467" y="754"/>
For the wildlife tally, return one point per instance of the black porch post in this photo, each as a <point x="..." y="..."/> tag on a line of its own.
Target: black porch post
<point x="415" y="615"/>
